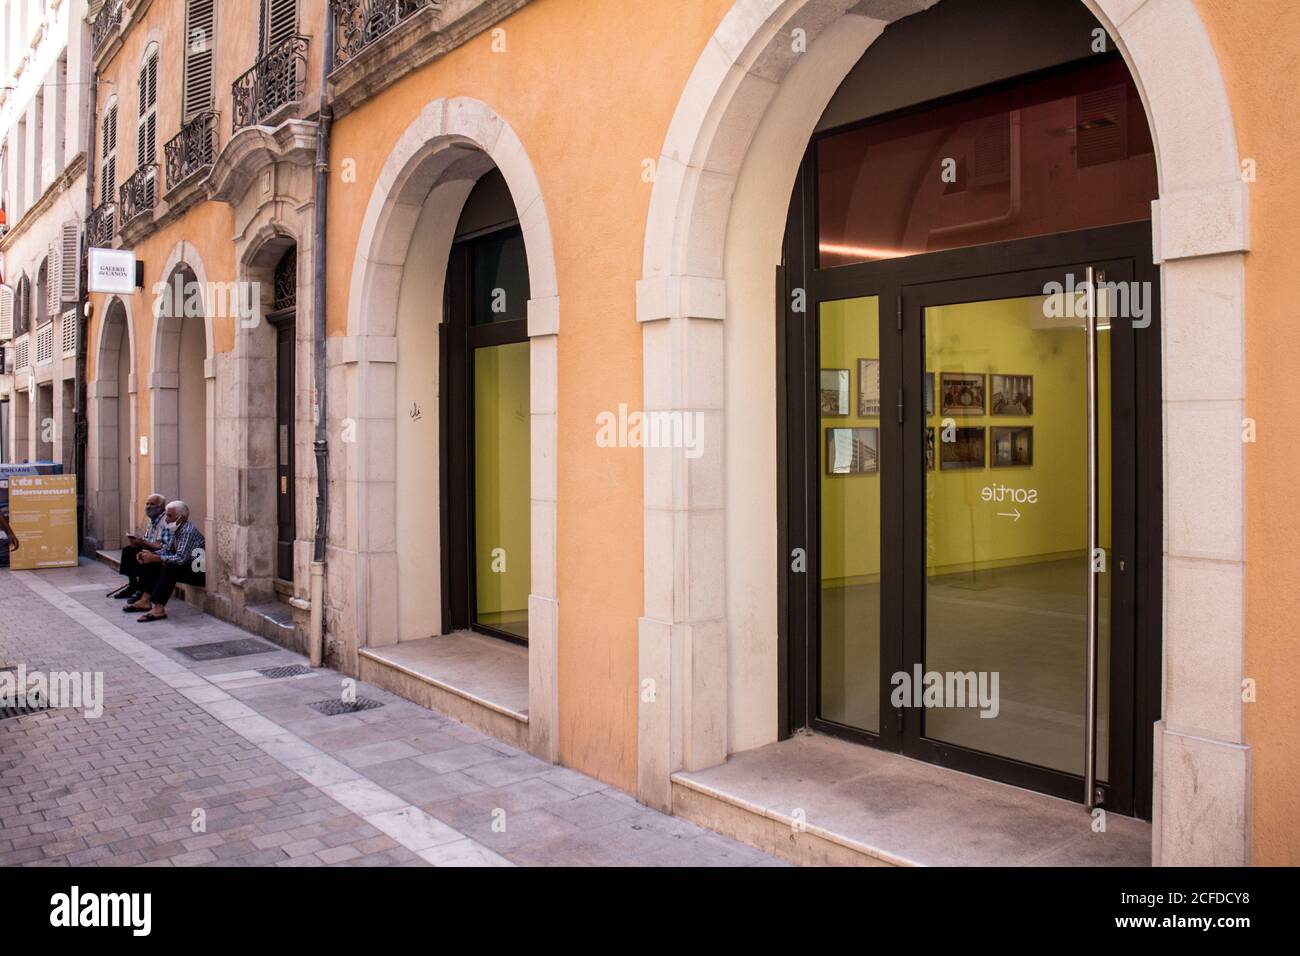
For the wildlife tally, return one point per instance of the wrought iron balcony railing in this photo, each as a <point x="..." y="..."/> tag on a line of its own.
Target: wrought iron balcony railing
<point x="359" y="23"/>
<point x="276" y="80"/>
<point x="139" y="194"/>
<point x="193" y="149"/>
<point x="108" y="20"/>
<point x="101" y="225"/>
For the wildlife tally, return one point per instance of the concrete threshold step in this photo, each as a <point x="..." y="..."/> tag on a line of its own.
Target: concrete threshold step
<point x="466" y="676"/>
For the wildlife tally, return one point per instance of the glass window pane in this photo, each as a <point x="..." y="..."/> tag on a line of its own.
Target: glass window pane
<point x="1065" y="153"/>
<point x="1007" y="531"/>
<point x="500" y="286"/>
<point x="849" y="400"/>
<point x="501" y="492"/>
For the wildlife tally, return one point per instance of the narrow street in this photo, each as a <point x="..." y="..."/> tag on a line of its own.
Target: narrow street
<point x="213" y="762"/>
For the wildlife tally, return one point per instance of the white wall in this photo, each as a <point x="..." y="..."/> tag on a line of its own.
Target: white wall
<point x="419" y="312"/>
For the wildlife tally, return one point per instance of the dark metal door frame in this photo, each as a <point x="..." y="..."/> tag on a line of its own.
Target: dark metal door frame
<point x="285" y="402"/>
<point x="903" y="287"/>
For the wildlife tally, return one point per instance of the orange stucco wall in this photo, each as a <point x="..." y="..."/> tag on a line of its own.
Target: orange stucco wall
<point x="590" y="88"/>
<point x="1258" y="43"/>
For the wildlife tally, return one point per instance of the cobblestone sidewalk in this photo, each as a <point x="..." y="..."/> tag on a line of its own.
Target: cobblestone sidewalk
<point x="274" y="781"/>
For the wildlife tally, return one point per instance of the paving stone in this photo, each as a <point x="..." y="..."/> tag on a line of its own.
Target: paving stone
<point x="279" y="785"/>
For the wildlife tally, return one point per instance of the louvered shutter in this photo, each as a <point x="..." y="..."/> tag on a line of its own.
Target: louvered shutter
<point x="70" y="260"/>
<point x="6" y="313"/>
<point x="147" y="132"/>
<point x="279" y="22"/>
<point x="108" y="168"/>
<point x="53" y="279"/>
<point x="200" y="36"/>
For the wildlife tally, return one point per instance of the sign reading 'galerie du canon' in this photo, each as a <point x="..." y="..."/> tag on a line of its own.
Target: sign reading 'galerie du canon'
<point x="111" y="270"/>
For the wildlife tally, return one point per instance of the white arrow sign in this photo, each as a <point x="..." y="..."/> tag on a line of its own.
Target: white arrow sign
<point x="1014" y="515"/>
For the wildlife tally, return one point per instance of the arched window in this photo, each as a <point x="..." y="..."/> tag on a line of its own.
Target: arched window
<point x="23" y="309"/>
<point x="286" y="281"/>
<point x="42" y="293"/>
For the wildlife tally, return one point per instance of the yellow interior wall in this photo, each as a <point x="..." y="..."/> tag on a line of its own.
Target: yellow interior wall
<point x="850" y="540"/>
<point x="501" y="477"/>
<point x="1000" y="337"/>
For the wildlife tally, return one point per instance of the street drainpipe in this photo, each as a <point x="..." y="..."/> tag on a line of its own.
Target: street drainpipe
<point x="321" y="447"/>
<point x="80" y="421"/>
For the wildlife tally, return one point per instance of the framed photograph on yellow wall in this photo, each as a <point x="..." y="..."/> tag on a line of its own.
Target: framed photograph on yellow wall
<point x="961" y="393"/>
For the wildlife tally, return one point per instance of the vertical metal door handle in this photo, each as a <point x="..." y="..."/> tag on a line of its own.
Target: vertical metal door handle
<point x="1090" y="700"/>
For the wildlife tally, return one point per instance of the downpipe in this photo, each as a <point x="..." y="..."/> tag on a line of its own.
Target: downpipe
<point x="316" y="638"/>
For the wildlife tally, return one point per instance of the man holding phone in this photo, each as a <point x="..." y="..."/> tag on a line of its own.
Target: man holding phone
<point x="154" y="538"/>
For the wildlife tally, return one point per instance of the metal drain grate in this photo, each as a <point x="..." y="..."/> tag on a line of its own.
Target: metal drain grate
<point x="8" y="711"/>
<point x="289" y="670"/>
<point x="332" y="708"/>
<point x="223" y="649"/>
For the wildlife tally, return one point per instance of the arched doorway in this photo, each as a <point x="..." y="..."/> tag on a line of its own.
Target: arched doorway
<point x="713" y="242"/>
<point x="112" y="431"/>
<point x="180" y="399"/>
<point x="456" y="231"/>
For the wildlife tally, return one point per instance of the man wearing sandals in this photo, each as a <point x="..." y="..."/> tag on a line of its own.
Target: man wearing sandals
<point x="154" y="539"/>
<point x="175" y="563"/>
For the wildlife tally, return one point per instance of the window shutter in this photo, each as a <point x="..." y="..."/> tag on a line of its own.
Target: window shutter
<point x="279" y="21"/>
<point x="70" y="260"/>
<point x="53" y="279"/>
<point x="6" y="313"/>
<point x="108" y="168"/>
<point x="147" y="132"/>
<point x="200" y="38"/>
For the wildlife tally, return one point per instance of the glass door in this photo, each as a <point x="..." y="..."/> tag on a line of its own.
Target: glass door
<point x="1021" y="441"/>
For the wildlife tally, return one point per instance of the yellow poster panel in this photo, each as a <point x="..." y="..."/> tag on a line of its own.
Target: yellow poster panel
<point x="43" y="512"/>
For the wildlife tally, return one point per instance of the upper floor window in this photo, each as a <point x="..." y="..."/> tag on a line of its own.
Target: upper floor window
<point x="23" y="306"/>
<point x="279" y="22"/>
<point x="108" y="155"/>
<point x="200" y="41"/>
<point x="146" y="136"/>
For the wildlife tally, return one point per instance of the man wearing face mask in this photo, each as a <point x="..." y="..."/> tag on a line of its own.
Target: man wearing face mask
<point x="180" y="561"/>
<point x="154" y="538"/>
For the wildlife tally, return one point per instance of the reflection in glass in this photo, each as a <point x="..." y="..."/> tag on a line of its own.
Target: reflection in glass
<point x="1068" y="152"/>
<point x="1006" y="538"/>
<point x="501" y="492"/>
<point x="849" y="648"/>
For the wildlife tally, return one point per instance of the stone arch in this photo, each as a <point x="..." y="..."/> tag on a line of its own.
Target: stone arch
<point x="111" y="455"/>
<point x="713" y="238"/>
<point x="433" y="165"/>
<point x="182" y="383"/>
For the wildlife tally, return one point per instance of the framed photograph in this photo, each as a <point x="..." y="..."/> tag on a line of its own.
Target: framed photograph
<point x="929" y="394"/>
<point x="868" y="388"/>
<point x="929" y="449"/>
<point x="1011" y="394"/>
<point x="966" y="450"/>
<point x="852" y="451"/>
<point x="834" y="395"/>
<point x="1012" y="447"/>
<point x="961" y="393"/>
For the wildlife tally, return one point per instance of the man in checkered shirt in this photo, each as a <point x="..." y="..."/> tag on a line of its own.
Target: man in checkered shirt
<point x="180" y="561"/>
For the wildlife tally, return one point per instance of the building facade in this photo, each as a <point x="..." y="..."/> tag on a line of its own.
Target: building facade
<point x="43" y="120"/>
<point x="692" y="369"/>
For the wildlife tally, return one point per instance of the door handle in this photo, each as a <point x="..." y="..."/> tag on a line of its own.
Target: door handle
<point x="1090" y="790"/>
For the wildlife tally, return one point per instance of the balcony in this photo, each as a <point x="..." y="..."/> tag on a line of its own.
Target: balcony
<point x="108" y="20"/>
<point x="101" y="225"/>
<point x="359" y="23"/>
<point x="139" y="194"/>
<point x="192" y="150"/>
<point x="277" y="80"/>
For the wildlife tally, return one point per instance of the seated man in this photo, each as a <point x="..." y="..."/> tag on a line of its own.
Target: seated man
<point x="155" y="536"/>
<point x="174" y="564"/>
<point x="9" y="532"/>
